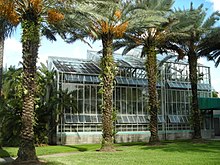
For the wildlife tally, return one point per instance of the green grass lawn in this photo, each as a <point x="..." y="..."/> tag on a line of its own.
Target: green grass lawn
<point x="170" y="153"/>
<point x="47" y="150"/>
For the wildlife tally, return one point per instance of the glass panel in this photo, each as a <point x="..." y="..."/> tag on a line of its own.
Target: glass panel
<point x="129" y="107"/>
<point x="80" y="92"/>
<point x="131" y="119"/>
<point x="80" y="106"/>
<point x="81" y="78"/>
<point x="93" y="119"/>
<point x="87" y="118"/>
<point x="81" y="118"/>
<point x="99" y="103"/>
<point x="182" y="119"/>
<point x="119" y="119"/>
<point x="174" y="119"/>
<point x="123" y="108"/>
<point x="125" y="119"/>
<point x="142" y="119"/>
<point x="87" y="92"/>
<point x="135" y="119"/>
<point x="68" y="118"/>
<point x="99" y="118"/>
<point x="129" y="94"/>
<point x="160" y="119"/>
<point x="93" y="92"/>
<point x="88" y="79"/>
<point x="123" y="93"/>
<point x="75" y="119"/>
<point x="99" y="96"/>
<point x="93" y="106"/>
<point x="171" y="118"/>
<point x="134" y="108"/>
<point x="117" y="93"/>
<point x="87" y="107"/>
<point x="140" y="108"/>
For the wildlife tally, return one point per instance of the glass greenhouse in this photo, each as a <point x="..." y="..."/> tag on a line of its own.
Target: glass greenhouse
<point x="82" y="123"/>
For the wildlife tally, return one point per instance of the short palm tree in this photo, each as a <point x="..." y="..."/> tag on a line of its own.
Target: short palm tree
<point x="150" y="32"/>
<point x="31" y="14"/>
<point x="200" y="39"/>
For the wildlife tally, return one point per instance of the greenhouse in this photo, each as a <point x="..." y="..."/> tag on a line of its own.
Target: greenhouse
<point x="82" y="123"/>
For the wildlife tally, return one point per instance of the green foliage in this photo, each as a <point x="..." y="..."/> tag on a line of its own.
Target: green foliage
<point x="10" y="109"/>
<point x="214" y="94"/>
<point x="32" y="33"/>
<point x="47" y="106"/>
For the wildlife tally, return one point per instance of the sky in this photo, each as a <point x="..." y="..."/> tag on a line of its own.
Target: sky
<point x="13" y="47"/>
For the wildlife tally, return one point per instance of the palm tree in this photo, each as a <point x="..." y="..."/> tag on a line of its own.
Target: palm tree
<point x="105" y="22"/>
<point x="200" y="40"/>
<point x="150" y="31"/>
<point x="210" y="46"/>
<point x="6" y="28"/>
<point x="108" y="28"/>
<point x="30" y="13"/>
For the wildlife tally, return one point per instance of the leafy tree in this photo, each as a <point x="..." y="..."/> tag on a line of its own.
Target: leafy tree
<point x="31" y="14"/>
<point x="10" y="107"/>
<point x="199" y="40"/>
<point x="150" y="31"/>
<point x="47" y="106"/>
<point x="214" y="94"/>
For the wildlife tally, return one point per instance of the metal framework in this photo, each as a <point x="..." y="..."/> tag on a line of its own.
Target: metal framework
<point x="130" y="94"/>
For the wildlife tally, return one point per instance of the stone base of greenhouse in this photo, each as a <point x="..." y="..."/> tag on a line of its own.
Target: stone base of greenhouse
<point x="68" y="138"/>
<point x="121" y="137"/>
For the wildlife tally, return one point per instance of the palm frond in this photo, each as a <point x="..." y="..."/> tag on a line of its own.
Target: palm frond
<point x="211" y="20"/>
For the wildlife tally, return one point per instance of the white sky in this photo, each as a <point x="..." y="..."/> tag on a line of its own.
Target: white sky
<point x="13" y="48"/>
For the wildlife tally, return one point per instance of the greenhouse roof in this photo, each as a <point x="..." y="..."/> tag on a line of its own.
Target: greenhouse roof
<point x="187" y="85"/>
<point x="71" y="65"/>
<point x="83" y="66"/>
<point x="90" y="65"/>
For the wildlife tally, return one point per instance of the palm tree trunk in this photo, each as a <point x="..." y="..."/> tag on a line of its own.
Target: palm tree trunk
<point x="1" y="65"/>
<point x="1" y="60"/>
<point x="107" y="78"/>
<point x="151" y="69"/>
<point x="30" y="45"/>
<point x="192" y="58"/>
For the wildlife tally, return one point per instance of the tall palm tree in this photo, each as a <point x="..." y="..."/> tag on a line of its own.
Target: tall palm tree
<point x="105" y="22"/>
<point x="200" y="40"/>
<point x="150" y="31"/>
<point x="109" y="27"/>
<point x="31" y="14"/>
